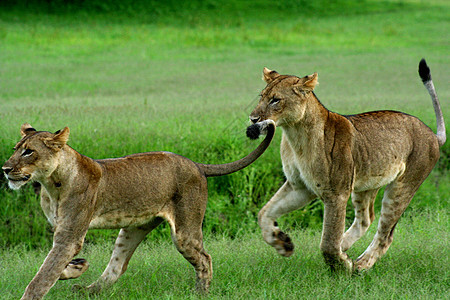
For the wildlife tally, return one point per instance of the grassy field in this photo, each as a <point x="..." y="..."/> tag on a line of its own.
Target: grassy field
<point x="246" y="268"/>
<point x="184" y="79"/>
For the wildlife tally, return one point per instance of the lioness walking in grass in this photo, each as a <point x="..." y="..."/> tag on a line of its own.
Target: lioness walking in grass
<point x="135" y="193"/>
<point x="330" y="156"/>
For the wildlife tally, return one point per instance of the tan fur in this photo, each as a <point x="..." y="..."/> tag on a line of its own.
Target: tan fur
<point x="135" y="193"/>
<point x="330" y="156"/>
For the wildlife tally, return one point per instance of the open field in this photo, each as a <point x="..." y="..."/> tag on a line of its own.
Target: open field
<point x="185" y="81"/>
<point x="416" y="267"/>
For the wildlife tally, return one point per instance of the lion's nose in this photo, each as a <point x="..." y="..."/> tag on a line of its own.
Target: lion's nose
<point x="7" y="170"/>
<point x="254" y="119"/>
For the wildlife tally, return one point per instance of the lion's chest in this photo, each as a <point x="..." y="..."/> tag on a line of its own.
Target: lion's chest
<point x="49" y="207"/>
<point x="300" y="172"/>
<point x="299" y="169"/>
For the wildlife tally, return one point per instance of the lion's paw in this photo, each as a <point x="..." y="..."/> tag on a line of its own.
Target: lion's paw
<point x="74" y="269"/>
<point x="90" y="290"/>
<point x="283" y="244"/>
<point x="365" y="261"/>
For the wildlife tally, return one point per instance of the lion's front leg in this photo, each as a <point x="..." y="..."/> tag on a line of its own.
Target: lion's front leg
<point x="332" y="234"/>
<point x="287" y="199"/>
<point x="52" y="268"/>
<point x="72" y="226"/>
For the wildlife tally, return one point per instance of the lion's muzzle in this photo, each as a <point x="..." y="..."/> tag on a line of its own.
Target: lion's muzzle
<point x="6" y="170"/>
<point x="16" y="179"/>
<point x="254" y="119"/>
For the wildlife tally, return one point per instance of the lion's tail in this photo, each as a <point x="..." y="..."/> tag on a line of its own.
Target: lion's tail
<point x="267" y="127"/>
<point x="425" y="75"/>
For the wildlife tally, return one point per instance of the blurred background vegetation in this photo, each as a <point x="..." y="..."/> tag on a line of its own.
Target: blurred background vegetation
<point x="182" y="76"/>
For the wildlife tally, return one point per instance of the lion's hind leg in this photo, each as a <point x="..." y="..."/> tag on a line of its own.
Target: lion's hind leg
<point x="190" y="244"/>
<point x="364" y="216"/>
<point x="126" y="244"/>
<point x="186" y="230"/>
<point x="396" y="198"/>
<point x="287" y="199"/>
<point x="185" y="216"/>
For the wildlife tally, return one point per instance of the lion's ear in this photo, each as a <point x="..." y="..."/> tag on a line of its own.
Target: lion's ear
<point x="59" y="139"/>
<point x="269" y="75"/>
<point x="308" y="83"/>
<point x="26" y="129"/>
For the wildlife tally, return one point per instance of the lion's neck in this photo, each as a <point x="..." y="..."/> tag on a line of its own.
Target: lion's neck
<point x="307" y="134"/>
<point x="65" y="171"/>
<point x="302" y="138"/>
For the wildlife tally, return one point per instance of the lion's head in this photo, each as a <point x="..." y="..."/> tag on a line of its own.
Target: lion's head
<point x="35" y="156"/>
<point x="285" y="98"/>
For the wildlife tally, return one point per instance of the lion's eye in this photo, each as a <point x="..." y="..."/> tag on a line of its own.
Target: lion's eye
<point x="27" y="152"/>
<point x="274" y="101"/>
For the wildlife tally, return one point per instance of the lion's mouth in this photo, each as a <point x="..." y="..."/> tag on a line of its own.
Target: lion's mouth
<point x="24" y="178"/>
<point x="16" y="182"/>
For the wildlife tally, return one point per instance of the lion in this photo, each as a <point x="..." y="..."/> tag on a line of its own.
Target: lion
<point x="331" y="156"/>
<point x="134" y="193"/>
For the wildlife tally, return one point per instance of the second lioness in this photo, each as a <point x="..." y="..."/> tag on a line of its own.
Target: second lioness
<point x="330" y="156"/>
<point x="135" y="193"/>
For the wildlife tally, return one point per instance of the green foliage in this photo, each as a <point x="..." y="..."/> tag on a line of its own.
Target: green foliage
<point x="22" y="218"/>
<point x="184" y="77"/>
<point x="196" y="10"/>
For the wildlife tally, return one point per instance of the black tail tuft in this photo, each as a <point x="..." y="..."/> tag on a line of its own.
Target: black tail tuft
<point x="424" y="71"/>
<point x="253" y="131"/>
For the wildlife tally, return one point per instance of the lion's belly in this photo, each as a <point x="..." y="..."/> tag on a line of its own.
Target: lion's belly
<point x="303" y="171"/>
<point x="113" y="220"/>
<point x="374" y="178"/>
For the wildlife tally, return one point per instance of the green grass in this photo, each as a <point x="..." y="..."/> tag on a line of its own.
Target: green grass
<point x="415" y="267"/>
